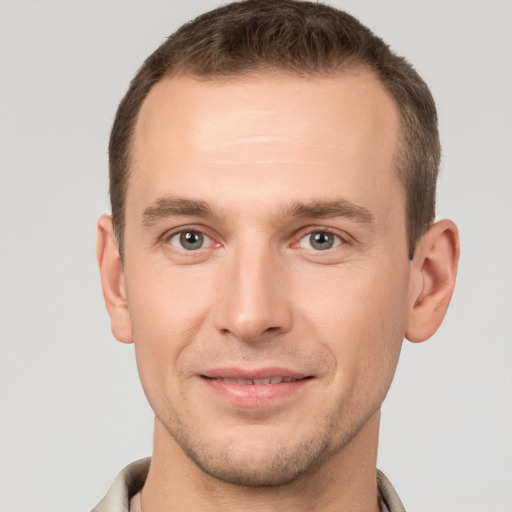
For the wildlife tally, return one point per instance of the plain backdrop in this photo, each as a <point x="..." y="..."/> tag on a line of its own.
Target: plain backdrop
<point x="72" y="412"/>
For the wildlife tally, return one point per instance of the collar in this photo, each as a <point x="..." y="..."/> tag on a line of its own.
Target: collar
<point x="131" y="480"/>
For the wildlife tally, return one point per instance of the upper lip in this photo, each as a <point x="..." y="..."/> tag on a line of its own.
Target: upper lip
<point x="252" y="374"/>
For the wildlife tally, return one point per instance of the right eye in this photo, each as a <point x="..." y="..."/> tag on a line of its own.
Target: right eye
<point x="190" y="240"/>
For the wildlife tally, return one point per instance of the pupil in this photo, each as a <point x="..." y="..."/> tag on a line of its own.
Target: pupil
<point x="321" y="241"/>
<point x="191" y="240"/>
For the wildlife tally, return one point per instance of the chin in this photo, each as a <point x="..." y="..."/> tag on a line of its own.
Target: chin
<point x="277" y="468"/>
<point x="259" y="458"/>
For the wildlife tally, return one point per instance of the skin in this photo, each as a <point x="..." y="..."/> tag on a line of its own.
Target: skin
<point x="257" y="165"/>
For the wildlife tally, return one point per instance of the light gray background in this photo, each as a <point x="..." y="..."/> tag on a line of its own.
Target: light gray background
<point x="72" y="411"/>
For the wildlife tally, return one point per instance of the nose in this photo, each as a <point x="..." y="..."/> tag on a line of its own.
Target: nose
<point x="254" y="304"/>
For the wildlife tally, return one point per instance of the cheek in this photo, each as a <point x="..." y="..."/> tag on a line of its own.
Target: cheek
<point x="359" y="314"/>
<point x="167" y="313"/>
<point x="167" y="301"/>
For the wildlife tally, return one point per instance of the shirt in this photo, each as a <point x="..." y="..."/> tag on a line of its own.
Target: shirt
<point x="122" y="495"/>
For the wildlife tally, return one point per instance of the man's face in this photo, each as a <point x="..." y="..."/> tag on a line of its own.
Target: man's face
<point x="266" y="267"/>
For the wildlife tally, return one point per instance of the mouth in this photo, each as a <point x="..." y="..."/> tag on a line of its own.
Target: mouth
<point x="255" y="388"/>
<point x="256" y="382"/>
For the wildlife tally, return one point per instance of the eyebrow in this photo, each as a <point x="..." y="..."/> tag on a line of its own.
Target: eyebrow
<point x="172" y="206"/>
<point x="331" y="209"/>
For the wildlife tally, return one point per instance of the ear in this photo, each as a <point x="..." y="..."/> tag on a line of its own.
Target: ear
<point x="112" y="280"/>
<point x="433" y="273"/>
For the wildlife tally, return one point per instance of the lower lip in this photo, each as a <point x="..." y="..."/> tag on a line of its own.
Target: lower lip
<point x="254" y="394"/>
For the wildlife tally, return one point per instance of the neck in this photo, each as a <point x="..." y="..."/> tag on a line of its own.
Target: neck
<point x="346" y="481"/>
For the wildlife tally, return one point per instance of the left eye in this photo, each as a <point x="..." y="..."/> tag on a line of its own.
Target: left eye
<point x="190" y="240"/>
<point x="320" y="241"/>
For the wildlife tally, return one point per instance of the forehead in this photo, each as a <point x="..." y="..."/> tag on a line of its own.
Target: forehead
<point x="270" y="132"/>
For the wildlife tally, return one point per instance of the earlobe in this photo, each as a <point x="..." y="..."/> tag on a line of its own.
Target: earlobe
<point x="112" y="279"/>
<point x="433" y="273"/>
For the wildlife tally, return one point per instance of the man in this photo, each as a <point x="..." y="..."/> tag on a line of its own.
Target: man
<point x="272" y="241"/>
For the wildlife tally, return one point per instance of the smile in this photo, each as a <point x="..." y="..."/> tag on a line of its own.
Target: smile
<point x="255" y="388"/>
<point x="256" y="382"/>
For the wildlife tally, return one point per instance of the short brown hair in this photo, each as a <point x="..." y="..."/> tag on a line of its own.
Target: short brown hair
<point x="302" y="38"/>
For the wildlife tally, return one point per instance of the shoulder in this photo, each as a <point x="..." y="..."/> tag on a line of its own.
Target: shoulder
<point x="128" y="482"/>
<point x="388" y="494"/>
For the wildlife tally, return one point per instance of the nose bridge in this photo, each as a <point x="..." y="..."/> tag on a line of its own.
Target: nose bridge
<point x="253" y="293"/>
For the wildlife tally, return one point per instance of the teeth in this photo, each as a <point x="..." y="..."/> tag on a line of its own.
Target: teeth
<point x="257" y="382"/>
<point x="261" y="381"/>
